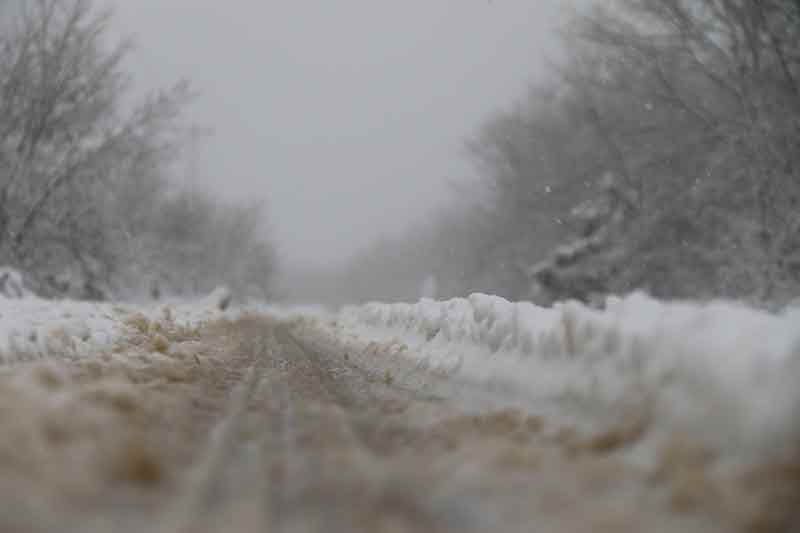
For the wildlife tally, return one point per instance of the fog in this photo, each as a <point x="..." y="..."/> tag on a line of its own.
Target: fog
<point x="348" y="117"/>
<point x="364" y="151"/>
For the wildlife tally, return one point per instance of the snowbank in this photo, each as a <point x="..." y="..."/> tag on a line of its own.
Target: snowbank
<point x="32" y="328"/>
<point x="721" y="371"/>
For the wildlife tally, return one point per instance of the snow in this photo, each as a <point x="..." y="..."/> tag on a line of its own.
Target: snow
<point x="720" y="370"/>
<point x="32" y="328"/>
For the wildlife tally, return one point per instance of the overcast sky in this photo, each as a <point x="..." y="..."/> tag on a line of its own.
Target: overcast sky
<point x="347" y="115"/>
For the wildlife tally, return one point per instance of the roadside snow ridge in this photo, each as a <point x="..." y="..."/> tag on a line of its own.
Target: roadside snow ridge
<point x="720" y="370"/>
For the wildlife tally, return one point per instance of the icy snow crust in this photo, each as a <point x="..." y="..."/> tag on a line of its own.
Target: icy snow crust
<point x="721" y="371"/>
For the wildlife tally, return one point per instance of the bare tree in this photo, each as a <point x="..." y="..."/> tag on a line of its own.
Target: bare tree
<point x="64" y="137"/>
<point x="698" y="105"/>
<point x="85" y="176"/>
<point x="675" y="134"/>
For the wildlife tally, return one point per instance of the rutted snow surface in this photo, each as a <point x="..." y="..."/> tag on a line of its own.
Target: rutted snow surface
<point x="84" y="388"/>
<point x="722" y="372"/>
<point x="693" y="407"/>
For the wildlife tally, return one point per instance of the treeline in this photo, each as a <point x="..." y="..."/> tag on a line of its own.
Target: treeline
<point x="87" y="206"/>
<point x="665" y="156"/>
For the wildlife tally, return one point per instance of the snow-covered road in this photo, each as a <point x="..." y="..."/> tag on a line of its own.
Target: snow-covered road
<point x="468" y="415"/>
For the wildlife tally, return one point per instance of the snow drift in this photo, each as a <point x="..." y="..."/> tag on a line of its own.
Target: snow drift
<point x="720" y="371"/>
<point x="32" y="328"/>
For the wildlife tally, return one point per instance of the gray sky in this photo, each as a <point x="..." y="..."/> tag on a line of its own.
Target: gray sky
<point x="347" y="115"/>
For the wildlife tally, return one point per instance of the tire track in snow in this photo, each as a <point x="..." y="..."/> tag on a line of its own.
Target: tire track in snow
<point x="280" y="430"/>
<point x="192" y="503"/>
